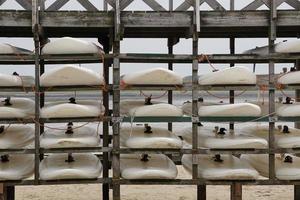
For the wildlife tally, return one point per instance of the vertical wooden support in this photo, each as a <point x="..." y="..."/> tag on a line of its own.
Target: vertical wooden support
<point x="116" y="105"/>
<point x="42" y="97"/>
<point x="272" y="37"/>
<point x="1" y="191"/>
<point x="170" y="64"/>
<point x="105" y="94"/>
<point x="8" y="193"/>
<point x="296" y="192"/>
<point x="236" y="191"/>
<point x="170" y="67"/>
<point x="171" y="5"/>
<point x="35" y="29"/>
<point x="297" y="125"/>
<point x="232" y="51"/>
<point x="201" y="189"/>
<point x="42" y="5"/>
<point x="105" y="6"/>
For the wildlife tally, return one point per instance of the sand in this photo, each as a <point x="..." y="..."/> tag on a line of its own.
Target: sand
<point x="93" y="192"/>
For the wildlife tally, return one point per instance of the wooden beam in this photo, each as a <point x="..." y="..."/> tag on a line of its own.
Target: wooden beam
<point x="58" y="4"/>
<point x="186" y="5"/>
<point x="2" y="1"/>
<point x="209" y="19"/>
<point x="87" y="5"/>
<point x="236" y="191"/>
<point x="111" y="3"/>
<point x="137" y="24"/>
<point x="277" y="3"/>
<point x="154" y="5"/>
<point x="294" y="3"/>
<point x="125" y="3"/>
<point x="26" y="4"/>
<point x="214" y="5"/>
<point x="253" y="5"/>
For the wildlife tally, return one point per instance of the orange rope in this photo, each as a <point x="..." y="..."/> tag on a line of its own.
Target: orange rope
<point x="203" y="58"/>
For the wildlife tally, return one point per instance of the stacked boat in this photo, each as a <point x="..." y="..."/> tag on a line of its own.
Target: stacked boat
<point x="149" y="166"/>
<point x="286" y="46"/>
<point x="71" y="135"/>
<point x="147" y="107"/>
<point x="16" y="166"/>
<point x="136" y="136"/>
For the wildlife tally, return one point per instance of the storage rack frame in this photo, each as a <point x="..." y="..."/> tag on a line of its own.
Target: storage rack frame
<point x="110" y="27"/>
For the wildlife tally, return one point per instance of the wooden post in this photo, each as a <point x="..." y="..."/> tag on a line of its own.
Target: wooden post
<point x="297" y="125"/>
<point x="105" y="94"/>
<point x="1" y="192"/>
<point x="232" y="51"/>
<point x="272" y="38"/>
<point x="170" y="67"/>
<point x="236" y="191"/>
<point x="201" y="190"/>
<point x="171" y="5"/>
<point x="9" y="193"/>
<point x="116" y="105"/>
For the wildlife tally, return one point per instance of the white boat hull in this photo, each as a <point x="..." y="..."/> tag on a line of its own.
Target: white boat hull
<point x="18" y="167"/>
<point x="85" y="166"/>
<point x="16" y="136"/>
<point x="155" y="76"/>
<point x="207" y="138"/>
<point x="68" y="45"/>
<point x="81" y="137"/>
<point x="71" y="75"/>
<point x="159" y="138"/>
<point x="283" y="170"/>
<point x="230" y="169"/>
<point x="82" y="108"/>
<point x="159" y="166"/>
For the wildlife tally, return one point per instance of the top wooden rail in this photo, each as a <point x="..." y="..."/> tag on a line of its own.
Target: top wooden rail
<point x="154" y="5"/>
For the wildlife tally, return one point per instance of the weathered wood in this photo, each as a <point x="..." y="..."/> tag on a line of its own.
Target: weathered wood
<point x="297" y="125"/>
<point x="294" y="3"/>
<point x="184" y="5"/>
<point x="214" y="5"/>
<point x="58" y="4"/>
<point x="125" y="3"/>
<point x="201" y="192"/>
<point x="2" y="2"/>
<point x="276" y="3"/>
<point x="152" y="24"/>
<point x="87" y="5"/>
<point x="197" y="15"/>
<point x="236" y="191"/>
<point x="116" y="102"/>
<point x="111" y="3"/>
<point x="9" y="193"/>
<point x="105" y="126"/>
<point x="171" y="5"/>
<point x="257" y="3"/>
<point x="42" y="5"/>
<point x="77" y="19"/>
<point x="26" y="4"/>
<point x="253" y="5"/>
<point x="272" y="38"/>
<point x="154" y="5"/>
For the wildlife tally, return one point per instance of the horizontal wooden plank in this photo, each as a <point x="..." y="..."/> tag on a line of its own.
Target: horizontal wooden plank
<point x="150" y="58"/>
<point x="151" y="24"/>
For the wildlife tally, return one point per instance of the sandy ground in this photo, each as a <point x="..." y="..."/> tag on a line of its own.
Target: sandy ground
<point x="93" y="192"/>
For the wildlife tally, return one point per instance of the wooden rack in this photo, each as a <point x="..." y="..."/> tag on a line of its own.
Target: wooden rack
<point x="110" y="27"/>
